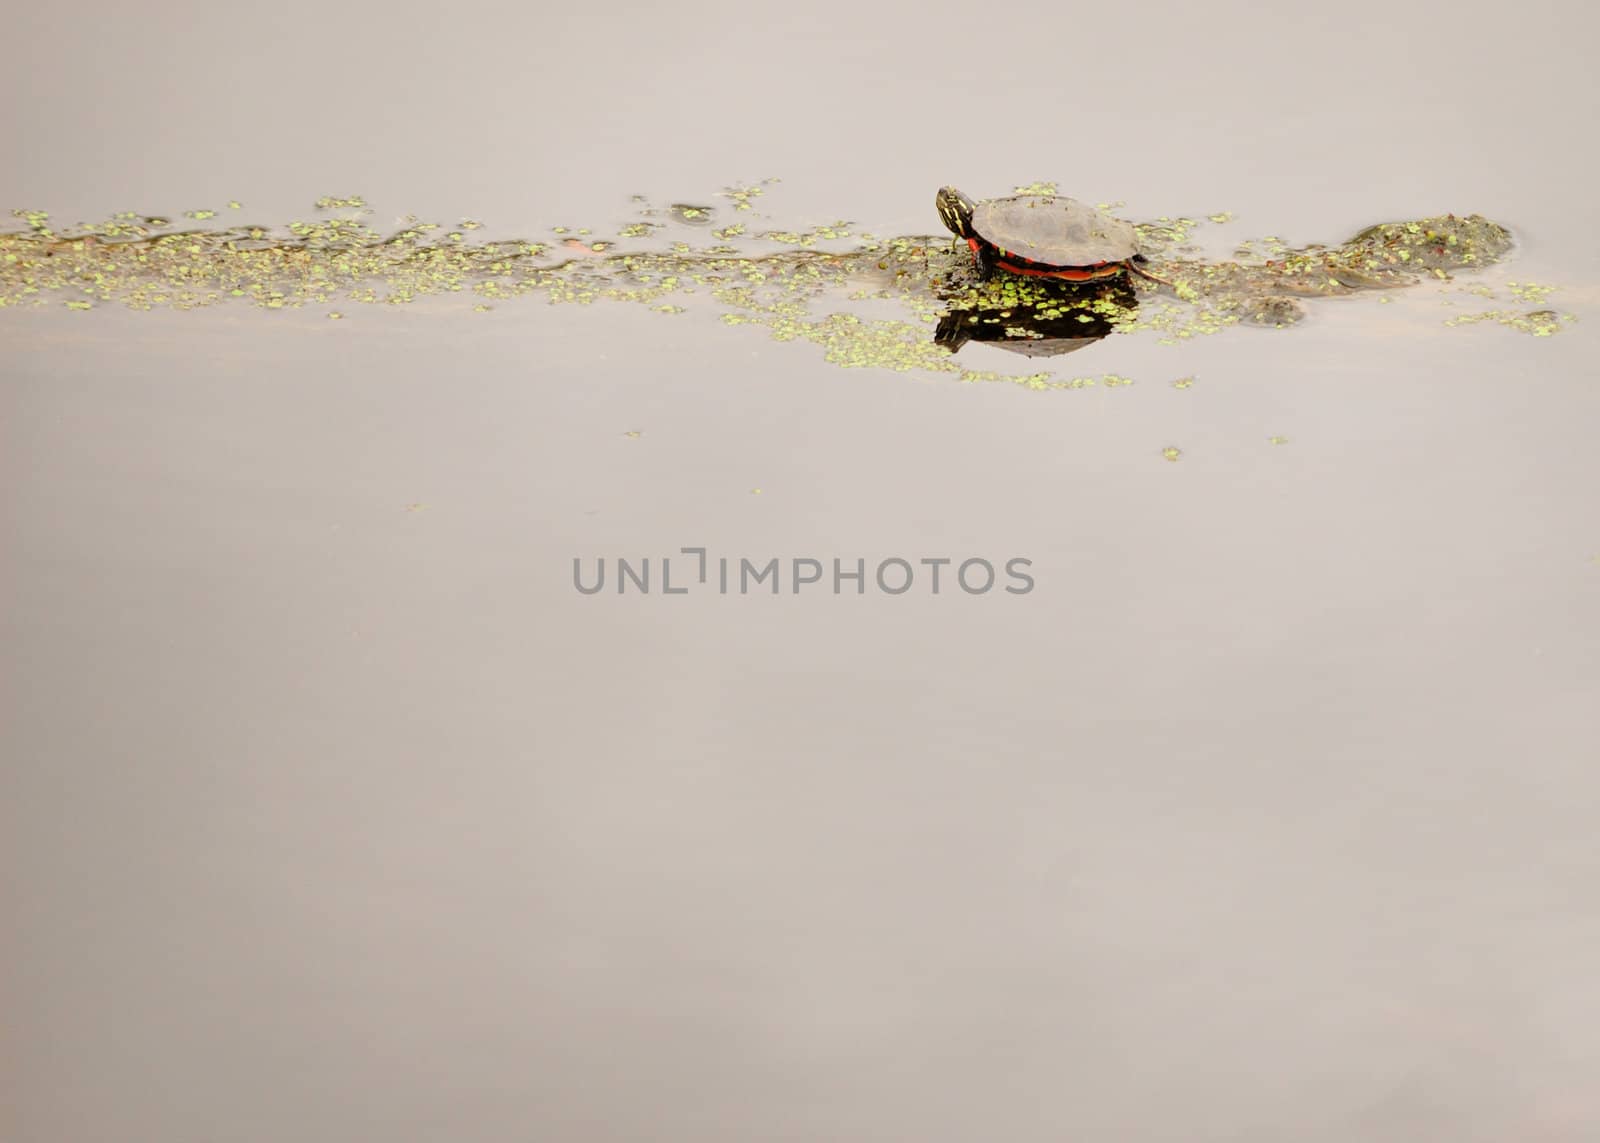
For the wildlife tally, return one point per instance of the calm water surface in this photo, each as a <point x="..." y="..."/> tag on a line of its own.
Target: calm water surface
<point x="333" y="812"/>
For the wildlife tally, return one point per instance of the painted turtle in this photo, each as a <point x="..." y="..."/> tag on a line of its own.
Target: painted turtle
<point x="1045" y="236"/>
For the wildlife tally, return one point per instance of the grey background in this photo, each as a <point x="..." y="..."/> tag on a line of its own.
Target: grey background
<point x="1268" y="815"/>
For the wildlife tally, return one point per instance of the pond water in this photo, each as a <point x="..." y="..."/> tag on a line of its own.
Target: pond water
<point x="334" y="810"/>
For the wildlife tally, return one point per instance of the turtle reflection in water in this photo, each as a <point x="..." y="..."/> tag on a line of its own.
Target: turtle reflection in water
<point x="1050" y="323"/>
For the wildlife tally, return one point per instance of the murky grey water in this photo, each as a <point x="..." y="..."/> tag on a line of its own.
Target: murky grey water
<point x="333" y="812"/>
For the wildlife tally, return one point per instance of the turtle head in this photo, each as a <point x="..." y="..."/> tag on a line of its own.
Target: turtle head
<point x="955" y="209"/>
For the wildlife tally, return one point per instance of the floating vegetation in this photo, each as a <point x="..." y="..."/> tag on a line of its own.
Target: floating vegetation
<point x="823" y="285"/>
<point x="741" y="196"/>
<point x="1539" y="323"/>
<point x="691" y="215"/>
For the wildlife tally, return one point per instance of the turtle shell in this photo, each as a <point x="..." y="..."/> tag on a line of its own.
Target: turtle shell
<point x="1054" y="231"/>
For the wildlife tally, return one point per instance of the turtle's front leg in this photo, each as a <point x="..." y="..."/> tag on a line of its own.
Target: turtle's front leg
<point x="984" y="256"/>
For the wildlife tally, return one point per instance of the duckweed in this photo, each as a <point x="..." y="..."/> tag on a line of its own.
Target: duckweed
<point x="825" y="285"/>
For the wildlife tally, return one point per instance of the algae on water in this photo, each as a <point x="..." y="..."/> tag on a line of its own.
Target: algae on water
<point x="819" y="284"/>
